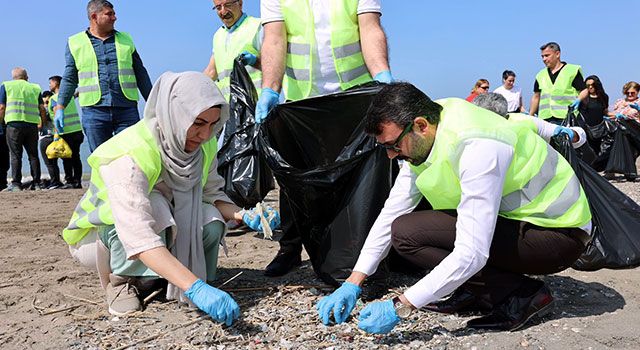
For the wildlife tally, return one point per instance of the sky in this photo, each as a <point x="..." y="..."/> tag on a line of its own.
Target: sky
<point x="442" y="47"/>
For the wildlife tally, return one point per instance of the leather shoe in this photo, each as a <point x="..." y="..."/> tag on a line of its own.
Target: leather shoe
<point x="513" y="313"/>
<point x="461" y="300"/>
<point x="283" y="263"/>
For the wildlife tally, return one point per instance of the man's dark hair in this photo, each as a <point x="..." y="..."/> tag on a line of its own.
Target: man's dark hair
<point x="47" y="93"/>
<point x="551" y="45"/>
<point x="56" y="78"/>
<point x="400" y="103"/>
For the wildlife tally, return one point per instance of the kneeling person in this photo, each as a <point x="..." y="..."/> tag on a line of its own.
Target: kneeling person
<point x="155" y="205"/>
<point x="505" y="204"/>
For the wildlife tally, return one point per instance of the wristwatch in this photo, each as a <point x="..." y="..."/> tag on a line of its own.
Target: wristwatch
<point x="402" y="310"/>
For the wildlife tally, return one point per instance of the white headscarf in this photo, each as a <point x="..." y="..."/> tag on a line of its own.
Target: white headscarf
<point x="175" y="101"/>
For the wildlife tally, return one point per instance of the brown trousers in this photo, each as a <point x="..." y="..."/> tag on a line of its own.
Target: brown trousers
<point x="425" y="238"/>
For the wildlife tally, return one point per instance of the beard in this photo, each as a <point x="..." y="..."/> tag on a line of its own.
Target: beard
<point x="420" y="149"/>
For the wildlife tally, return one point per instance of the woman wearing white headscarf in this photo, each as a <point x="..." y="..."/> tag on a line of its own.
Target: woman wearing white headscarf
<point x="155" y="205"/>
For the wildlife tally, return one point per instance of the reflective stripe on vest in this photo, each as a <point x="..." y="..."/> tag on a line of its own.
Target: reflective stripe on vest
<point x="557" y="96"/>
<point x="227" y="47"/>
<point x="137" y="142"/>
<point x="22" y="102"/>
<point x="71" y="116"/>
<point x="87" y="65"/>
<point x="539" y="187"/>
<point x="345" y="46"/>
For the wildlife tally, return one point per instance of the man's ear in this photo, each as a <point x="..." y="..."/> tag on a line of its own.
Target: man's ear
<point x="421" y="124"/>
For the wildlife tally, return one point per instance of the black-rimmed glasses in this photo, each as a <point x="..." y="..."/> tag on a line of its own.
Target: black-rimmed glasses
<point x="394" y="146"/>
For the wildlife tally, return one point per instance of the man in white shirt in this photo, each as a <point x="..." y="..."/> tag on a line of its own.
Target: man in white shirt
<point x="505" y="204"/>
<point x="346" y="47"/>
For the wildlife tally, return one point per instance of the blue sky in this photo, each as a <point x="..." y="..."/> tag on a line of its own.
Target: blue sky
<point x="442" y="47"/>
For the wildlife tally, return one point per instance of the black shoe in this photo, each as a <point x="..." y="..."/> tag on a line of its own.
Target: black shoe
<point x="67" y="186"/>
<point x="283" y="263"/>
<point x="513" y="313"/>
<point x="460" y="301"/>
<point x="55" y="185"/>
<point x="77" y="185"/>
<point x="609" y="176"/>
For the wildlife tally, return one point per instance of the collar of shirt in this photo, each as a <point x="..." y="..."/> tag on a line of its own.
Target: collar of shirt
<point x="95" y="37"/>
<point x="237" y="24"/>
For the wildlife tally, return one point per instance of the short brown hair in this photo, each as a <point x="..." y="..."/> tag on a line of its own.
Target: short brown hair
<point x="629" y="85"/>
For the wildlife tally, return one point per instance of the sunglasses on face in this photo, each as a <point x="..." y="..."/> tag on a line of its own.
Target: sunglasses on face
<point x="631" y="92"/>
<point x="394" y="146"/>
<point x="484" y="87"/>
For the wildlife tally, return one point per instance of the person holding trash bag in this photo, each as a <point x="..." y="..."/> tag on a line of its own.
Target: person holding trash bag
<point x="154" y="206"/>
<point x="557" y="86"/>
<point x="240" y="35"/>
<point x="505" y="204"/>
<point x="346" y="48"/>
<point x="627" y="107"/>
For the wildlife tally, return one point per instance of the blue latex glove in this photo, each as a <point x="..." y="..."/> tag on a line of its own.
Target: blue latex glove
<point x="635" y="106"/>
<point x="378" y="317"/>
<point x="268" y="99"/>
<point x="564" y="130"/>
<point x="341" y="302"/>
<point x="574" y="105"/>
<point x="58" y="121"/>
<point x="384" y="77"/>
<point x="621" y="116"/>
<point x="218" y="304"/>
<point x="273" y="217"/>
<point x="248" y="58"/>
<point x="251" y="219"/>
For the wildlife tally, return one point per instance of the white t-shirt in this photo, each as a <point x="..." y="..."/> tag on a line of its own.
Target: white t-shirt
<point x="513" y="97"/>
<point x="326" y="79"/>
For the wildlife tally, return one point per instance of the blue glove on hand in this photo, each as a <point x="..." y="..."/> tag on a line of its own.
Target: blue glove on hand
<point x="564" y="130"/>
<point x="248" y="58"/>
<point x="341" y="302"/>
<point x="378" y="317"/>
<point x="251" y="219"/>
<point x="621" y="116"/>
<point x="635" y="106"/>
<point x="384" y="77"/>
<point x="268" y="99"/>
<point x="58" y="121"/>
<point x="218" y="304"/>
<point x="574" y="105"/>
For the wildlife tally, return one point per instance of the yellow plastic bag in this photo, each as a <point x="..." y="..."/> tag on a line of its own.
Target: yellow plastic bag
<point x="58" y="149"/>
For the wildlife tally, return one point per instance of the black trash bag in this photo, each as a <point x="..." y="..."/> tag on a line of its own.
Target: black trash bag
<point x="604" y="134"/>
<point x="622" y="159"/>
<point x="585" y="152"/>
<point x="632" y="129"/>
<point x="332" y="176"/>
<point x="615" y="218"/>
<point x="247" y="177"/>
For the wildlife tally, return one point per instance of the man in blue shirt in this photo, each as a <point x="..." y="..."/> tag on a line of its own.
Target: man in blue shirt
<point x="115" y="110"/>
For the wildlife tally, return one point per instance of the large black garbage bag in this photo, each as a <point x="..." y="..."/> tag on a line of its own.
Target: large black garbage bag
<point x="616" y="218"/>
<point x="332" y="176"/>
<point x="604" y="134"/>
<point x="247" y="177"/>
<point x="622" y="159"/>
<point x="585" y="152"/>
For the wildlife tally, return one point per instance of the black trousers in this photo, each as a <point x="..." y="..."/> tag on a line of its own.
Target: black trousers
<point x="4" y="158"/>
<point x="425" y="238"/>
<point x="17" y="138"/>
<point x="51" y="164"/>
<point x="73" y="166"/>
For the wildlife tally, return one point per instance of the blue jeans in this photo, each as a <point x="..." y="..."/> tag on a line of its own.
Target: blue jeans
<point x="101" y="123"/>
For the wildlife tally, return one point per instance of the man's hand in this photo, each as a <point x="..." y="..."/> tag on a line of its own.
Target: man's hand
<point x="268" y="99"/>
<point x="58" y="120"/>
<point x="384" y="77"/>
<point x="341" y="302"/>
<point x="248" y="58"/>
<point x="218" y="304"/>
<point x="378" y="317"/>
<point x="564" y="130"/>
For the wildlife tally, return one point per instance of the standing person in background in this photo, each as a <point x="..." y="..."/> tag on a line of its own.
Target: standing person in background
<point x="481" y="87"/>
<point x="46" y="137"/>
<point x="323" y="47"/>
<point x="594" y="107"/>
<point x="512" y="93"/>
<point x="627" y="107"/>
<point x="557" y="87"/>
<point x="22" y="108"/>
<point x="240" y="34"/>
<point x="104" y="65"/>
<point x="71" y="133"/>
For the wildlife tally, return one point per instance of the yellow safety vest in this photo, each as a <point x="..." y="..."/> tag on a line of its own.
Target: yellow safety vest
<point x="22" y="102"/>
<point x="540" y="187"/>
<point x="87" y="65"/>
<point x="136" y="141"/>
<point x="225" y="51"/>
<point x="301" y="43"/>
<point x="557" y="96"/>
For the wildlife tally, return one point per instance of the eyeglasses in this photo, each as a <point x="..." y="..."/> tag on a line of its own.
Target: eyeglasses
<point x="394" y="147"/>
<point x="631" y="92"/>
<point x="484" y="87"/>
<point x="225" y="5"/>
